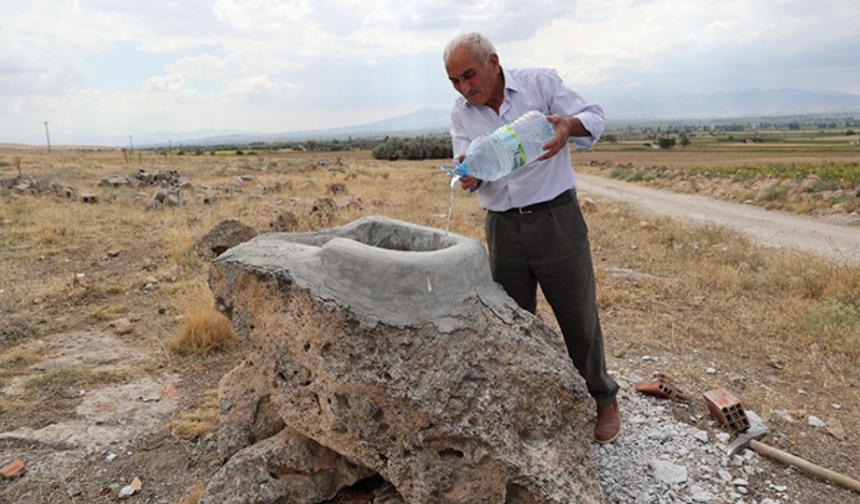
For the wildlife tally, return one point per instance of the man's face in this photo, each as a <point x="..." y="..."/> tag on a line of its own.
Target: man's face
<point x="474" y="80"/>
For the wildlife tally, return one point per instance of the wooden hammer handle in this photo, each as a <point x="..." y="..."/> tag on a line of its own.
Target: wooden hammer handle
<point x="787" y="458"/>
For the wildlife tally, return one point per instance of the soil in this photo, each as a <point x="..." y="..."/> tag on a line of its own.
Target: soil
<point x="84" y="443"/>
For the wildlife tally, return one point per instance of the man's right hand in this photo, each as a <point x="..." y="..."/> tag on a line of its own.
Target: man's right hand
<point x="468" y="182"/>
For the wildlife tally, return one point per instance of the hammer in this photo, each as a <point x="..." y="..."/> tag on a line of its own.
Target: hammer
<point x="750" y="439"/>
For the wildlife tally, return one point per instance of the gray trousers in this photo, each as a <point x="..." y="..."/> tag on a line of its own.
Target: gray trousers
<point x="550" y="247"/>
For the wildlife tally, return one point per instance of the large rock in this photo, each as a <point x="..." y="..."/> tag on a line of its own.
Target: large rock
<point x="389" y="344"/>
<point x="225" y="234"/>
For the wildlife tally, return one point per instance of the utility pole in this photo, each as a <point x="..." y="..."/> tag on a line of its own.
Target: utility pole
<point x="47" y="135"/>
<point x="130" y="144"/>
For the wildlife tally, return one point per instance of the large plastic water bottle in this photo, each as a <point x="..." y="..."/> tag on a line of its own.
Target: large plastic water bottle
<point x="493" y="155"/>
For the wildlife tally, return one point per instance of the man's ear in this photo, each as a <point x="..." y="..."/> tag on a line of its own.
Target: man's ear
<point x="494" y="61"/>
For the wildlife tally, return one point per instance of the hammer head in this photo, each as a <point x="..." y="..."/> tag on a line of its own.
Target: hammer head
<point x="757" y="430"/>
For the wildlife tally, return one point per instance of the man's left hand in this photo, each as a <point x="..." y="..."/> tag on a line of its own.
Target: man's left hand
<point x="565" y="127"/>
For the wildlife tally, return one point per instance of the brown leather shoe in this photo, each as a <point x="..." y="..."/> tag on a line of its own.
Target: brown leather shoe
<point x="608" y="425"/>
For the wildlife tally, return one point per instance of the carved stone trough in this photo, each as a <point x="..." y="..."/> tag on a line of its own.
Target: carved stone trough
<point x="383" y="350"/>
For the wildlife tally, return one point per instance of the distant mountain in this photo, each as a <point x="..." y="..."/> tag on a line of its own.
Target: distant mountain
<point x="752" y="103"/>
<point x="420" y="122"/>
<point x="426" y="119"/>
<point x="742" y="104"/>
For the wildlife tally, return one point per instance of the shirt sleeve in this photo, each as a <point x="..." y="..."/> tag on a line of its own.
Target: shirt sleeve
<point x="567" y="103"/>
<point x="459" y="139"/>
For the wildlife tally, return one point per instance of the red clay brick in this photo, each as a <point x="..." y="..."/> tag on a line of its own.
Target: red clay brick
<point x="13" y="469"/>
<point x="727" y="409"/>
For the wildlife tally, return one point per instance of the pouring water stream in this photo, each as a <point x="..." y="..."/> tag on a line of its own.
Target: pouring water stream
<point x="452" y="183"/>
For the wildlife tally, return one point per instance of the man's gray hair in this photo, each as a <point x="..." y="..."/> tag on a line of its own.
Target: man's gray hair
<point x="480" y="46"/>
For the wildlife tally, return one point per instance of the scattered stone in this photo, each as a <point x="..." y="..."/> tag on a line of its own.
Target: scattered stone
<point x="165" y="197"/>
<point x="89" y="198"/>
<point x="122" y="326"/>
<point x="323" y="211"/>
<point x="775" y="362"/>
<point x="347" y="203"/>
<point x="285" y="222"/>
<point x="701" y="495"/>
<point x="814" y="421"/>
<point x="115" y="181"/>
<point x="225" y="235"/>
<point x="130" y="489"/>
<point x="834" y="428"/>
<point x="784" y="415"/>
<point x="166" y="178"/>
<point x="336" y="189"/>
<point x="700" y="435"/>
<point x="74" y="490"/>
<point x="668" y="473"/>
<point x="629" y="275"/>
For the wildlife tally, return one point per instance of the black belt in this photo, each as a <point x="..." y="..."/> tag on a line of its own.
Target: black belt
<point x="562" y="199"/>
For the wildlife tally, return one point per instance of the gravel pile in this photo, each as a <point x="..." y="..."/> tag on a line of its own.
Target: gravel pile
<point x="659" y="460"/>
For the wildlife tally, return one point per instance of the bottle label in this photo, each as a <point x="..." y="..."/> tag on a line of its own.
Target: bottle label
<point x="512" y="141"/>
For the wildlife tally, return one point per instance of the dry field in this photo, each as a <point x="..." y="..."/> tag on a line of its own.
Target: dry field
<point x="100" y="296"/>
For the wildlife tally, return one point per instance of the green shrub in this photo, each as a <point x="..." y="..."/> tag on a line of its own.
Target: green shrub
<point x="832" y="316"/>
<point x="415" y="148"/>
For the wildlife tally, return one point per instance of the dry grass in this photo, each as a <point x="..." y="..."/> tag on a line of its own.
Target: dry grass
<point x="203" y="330"/>
<point x="65" y="379"/>
<point x="198" y="423"/>
<point x="782" y="329"/>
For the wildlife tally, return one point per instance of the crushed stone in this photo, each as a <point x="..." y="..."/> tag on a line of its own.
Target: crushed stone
<point x="660" y="460"/>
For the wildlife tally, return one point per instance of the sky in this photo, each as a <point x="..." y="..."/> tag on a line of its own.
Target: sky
<point x="113" y="69"/>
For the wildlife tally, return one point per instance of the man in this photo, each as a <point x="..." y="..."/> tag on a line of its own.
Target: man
<point x="536" y="233"/>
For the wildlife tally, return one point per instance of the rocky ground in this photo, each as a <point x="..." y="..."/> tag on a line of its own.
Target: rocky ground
<point x="90" y="437"/>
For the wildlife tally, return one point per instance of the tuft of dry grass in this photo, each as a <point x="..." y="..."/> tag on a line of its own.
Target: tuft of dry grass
<point x="17" y="359"/>
<point x="203" y="330"/>
<point x="16" y="328"/>
<point x="198" y="423"/>
<point x="108" y="313"/>
<point x="63" y="379"/>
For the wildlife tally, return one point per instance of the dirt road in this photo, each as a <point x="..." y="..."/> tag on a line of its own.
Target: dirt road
<point x="820" y="236"/>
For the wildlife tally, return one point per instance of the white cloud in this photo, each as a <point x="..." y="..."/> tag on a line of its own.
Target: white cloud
<point x="123" y="65"/>
<point x="257" y="14"/>
<point x="261" y="88"/>
<point x="173" y="85"/>
<point x="204" y="66"/>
